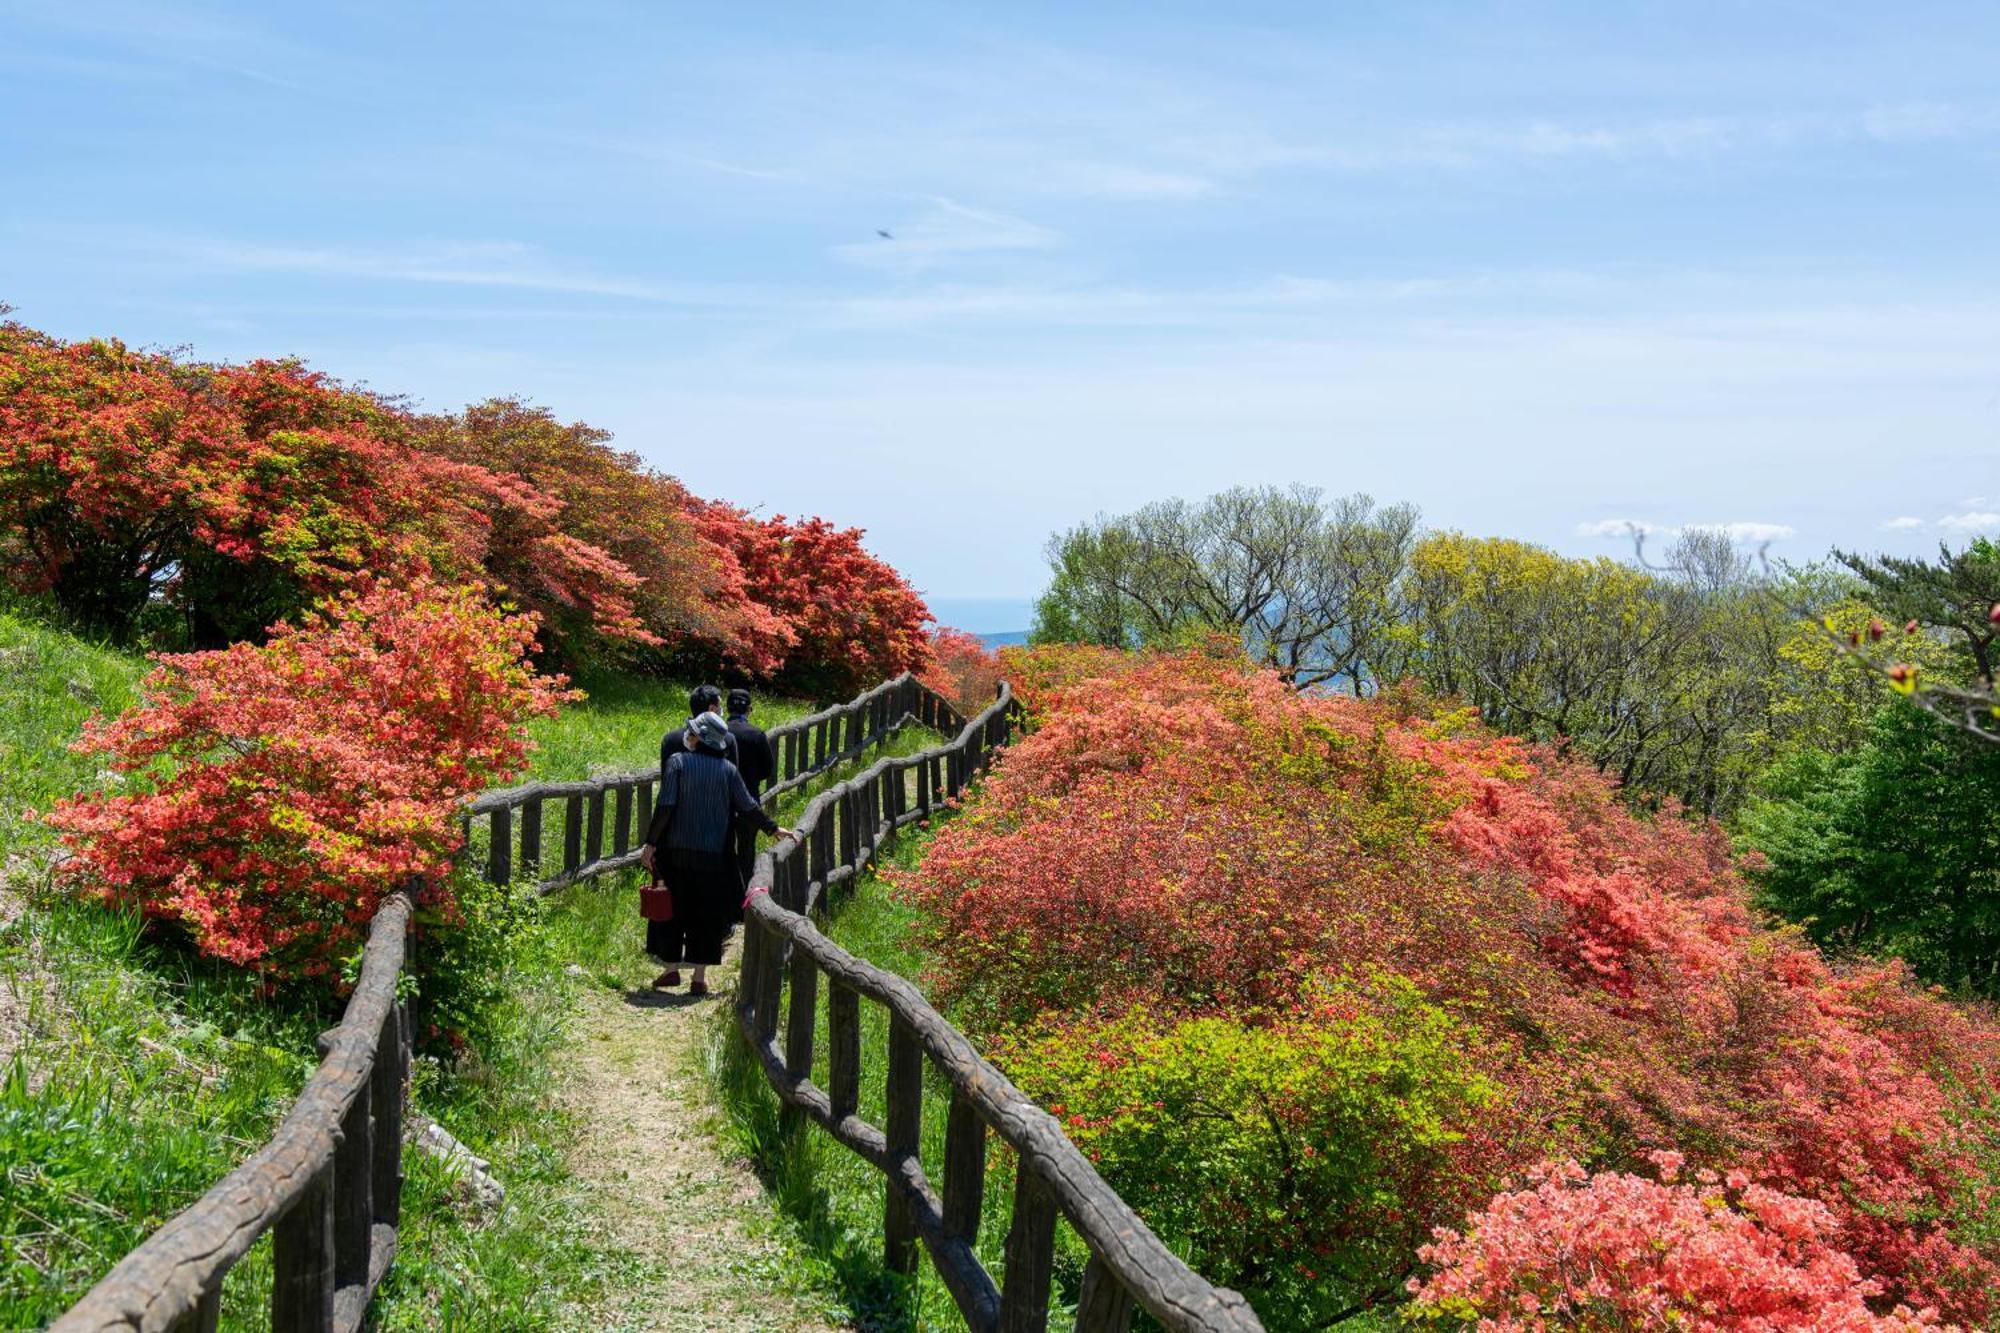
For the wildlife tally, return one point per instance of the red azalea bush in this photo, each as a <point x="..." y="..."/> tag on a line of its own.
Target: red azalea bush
<point x="144" y="493"/>
<point x="277" y="792"/>
<point x="1185" y="835"/>
<point x="850" y="619"/>
<point x="1617" y="1251"/>
<point x="616" y="554"/>
<point x="963" y="669"/>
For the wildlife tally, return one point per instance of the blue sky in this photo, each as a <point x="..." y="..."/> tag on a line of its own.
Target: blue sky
<point x="1539" y="269"/>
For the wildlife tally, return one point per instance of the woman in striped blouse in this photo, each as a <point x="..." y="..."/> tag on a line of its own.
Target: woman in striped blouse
<point x="688" y="848"/>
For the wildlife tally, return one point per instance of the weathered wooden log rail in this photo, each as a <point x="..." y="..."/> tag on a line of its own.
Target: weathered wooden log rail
<point x="841" y="831"/>
<point x="328" y="1186"/>
<point x="601" y="821"/>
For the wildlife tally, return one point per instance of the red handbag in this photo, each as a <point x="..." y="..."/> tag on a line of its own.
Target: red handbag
<point x="656" y="902"/>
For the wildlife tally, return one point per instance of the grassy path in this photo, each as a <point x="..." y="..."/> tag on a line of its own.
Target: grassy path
<point x="664" y="1185"/>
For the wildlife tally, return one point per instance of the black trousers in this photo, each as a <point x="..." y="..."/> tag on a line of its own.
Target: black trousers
<point x="744" y="835"/>
<point x="708" y="899"/>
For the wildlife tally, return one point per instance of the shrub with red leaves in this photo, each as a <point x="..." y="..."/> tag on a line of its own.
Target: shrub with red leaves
<point x="1613" y="1250"/>
<point x="848" y="619"/>
<point x="275" y="793"/>
<point x="1186" y="835"/>
<point x="963" y="669"/>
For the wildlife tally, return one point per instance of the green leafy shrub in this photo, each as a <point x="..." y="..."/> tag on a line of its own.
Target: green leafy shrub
<point x="1301" y="1162"/>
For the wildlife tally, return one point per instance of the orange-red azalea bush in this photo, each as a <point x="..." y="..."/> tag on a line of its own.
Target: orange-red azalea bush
<point x="201" y="504"/>
<point x="963" y="669"/>
<point x="1186" y="836"/>
<point x="273" y="794"/>
<point x="1614" y="1250"/>
<point x="849" y="620"/>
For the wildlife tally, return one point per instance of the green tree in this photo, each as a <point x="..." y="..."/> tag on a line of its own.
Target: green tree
<point x="1889" y="849"/>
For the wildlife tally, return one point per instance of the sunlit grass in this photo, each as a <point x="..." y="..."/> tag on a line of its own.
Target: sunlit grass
<point x="830" y="1194"/>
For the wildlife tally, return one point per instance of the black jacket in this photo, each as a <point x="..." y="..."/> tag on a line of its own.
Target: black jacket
<point x="754" y="757"/>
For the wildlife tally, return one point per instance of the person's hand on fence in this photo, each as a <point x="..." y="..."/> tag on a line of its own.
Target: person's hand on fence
<point x="791" y="833"/>
<point x="646" y="855"/>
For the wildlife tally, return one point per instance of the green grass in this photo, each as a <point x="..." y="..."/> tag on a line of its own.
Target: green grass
<point x="618" y="727"/>
<point x="831" y="1195"/>
<point x="134" y="1075"/>
<point x="50" y="683"/>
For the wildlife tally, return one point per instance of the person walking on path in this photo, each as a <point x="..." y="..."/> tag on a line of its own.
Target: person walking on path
<point x="702" y="699"/>
<point x="688" y="848"/>
<point x="758" y="765"/>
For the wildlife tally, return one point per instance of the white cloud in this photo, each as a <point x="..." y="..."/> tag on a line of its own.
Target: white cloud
<point x="1622" y="528"/>
<point x="1901" y="523"/>
<point x="459" y="264"/>
<point x="1745" y="531"/>
<point x="1751" y="531"/>
<point x="1977" y="520"/>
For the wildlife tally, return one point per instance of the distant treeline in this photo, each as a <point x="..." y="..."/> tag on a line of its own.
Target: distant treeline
<point x="1685" y="675"/>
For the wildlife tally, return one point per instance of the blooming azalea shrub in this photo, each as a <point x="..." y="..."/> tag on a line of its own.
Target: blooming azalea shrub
<point x="1614" y="1250"/>
<point x="851" y="619"/>
<point x="1360" y="1111"/>
<point x="1184" y="837"/>
<point x="963" y="669"/>
<point x="273" y="794"/>
<point x="617" y="557"/>
<point x="145" y="494"/>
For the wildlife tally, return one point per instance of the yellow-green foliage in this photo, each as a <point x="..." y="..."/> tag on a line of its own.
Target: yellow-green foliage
<point x="1229" y="1137"/>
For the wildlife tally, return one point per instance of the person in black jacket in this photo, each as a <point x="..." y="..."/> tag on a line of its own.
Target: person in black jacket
<point x="757" y="764"/>
<point x="687" y="848"/>
<point x="702" y="699"/>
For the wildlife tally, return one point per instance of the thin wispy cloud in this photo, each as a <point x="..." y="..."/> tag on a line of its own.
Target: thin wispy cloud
<point x="1901" y="523"/>
<point x="1746" y="532"/>
<point x="489" y="264"/>
<point x="945" y="232"/>
<point x="1973" y="521"/>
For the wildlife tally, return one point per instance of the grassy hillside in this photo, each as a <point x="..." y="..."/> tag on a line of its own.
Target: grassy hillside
<point x="133" y="1075"/>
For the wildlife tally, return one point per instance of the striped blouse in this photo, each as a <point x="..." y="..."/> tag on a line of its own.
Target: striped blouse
<point x="699" y="795"/>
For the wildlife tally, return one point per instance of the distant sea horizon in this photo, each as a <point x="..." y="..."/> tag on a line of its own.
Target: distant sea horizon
<point x="996" y="620"/>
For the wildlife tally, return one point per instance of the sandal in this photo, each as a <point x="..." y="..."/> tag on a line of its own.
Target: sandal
<point x="668" y="979"/>
<point x="697" y="988"/>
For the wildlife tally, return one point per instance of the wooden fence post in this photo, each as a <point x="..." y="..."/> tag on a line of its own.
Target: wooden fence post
<point x="385" y="1099"/>
<point x="500" y="847"/>
<point x="572" y="833"/>
<point x="1102" y="1306"/>
<point x="964" y="1168"/>
<point x="621" y="838"/>
<point x="904" y="1132"/>
<point x="843" y="1049"/>
<point x="531" y="837"/>
<point x="302" y="1260"/>
<point x="1024" y="1291"/>
<point x="593" y="828"/>
<point x="353" y="1193"/>
<point x="799" y="1028"/>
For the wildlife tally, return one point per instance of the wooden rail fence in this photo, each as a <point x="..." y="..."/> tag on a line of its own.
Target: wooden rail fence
<point x="328" y="1184"/>
<point x="601" y="821"/>
<point x="842" y="829"/>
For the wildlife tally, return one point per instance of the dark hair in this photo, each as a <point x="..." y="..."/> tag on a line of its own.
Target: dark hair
<point x="704" y="698"/>
<point x="739" y="702"/>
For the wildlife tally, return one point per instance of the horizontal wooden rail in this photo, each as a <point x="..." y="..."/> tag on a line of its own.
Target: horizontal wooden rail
<point x="603" y="819"/>
<point x="328" y="1186"/>
<point x="841" y="831"/>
